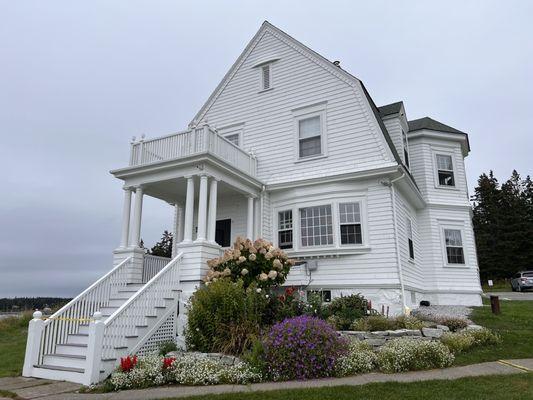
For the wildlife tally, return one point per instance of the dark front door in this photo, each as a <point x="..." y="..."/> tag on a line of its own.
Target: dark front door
<point x="223" y="232"/>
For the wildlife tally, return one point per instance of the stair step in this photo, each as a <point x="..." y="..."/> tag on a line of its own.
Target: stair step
<point x="78" y="338"/>
<point x="57" y="368"/>
<point x="64" y="360"/>
<point x="75" y="349"/>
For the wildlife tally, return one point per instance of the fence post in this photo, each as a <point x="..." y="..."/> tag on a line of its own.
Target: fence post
<point x="94" y="349"/>
<point x="33" y="343"/>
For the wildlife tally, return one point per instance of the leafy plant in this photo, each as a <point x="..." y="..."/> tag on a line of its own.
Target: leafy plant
<point x="463" y="341"/>
<point x="346" y="309"/>
<point x="454" y="323"/>
<point x="359" y="359"/>
<point x="167" y="347"/>
<point x="302" y="348"/>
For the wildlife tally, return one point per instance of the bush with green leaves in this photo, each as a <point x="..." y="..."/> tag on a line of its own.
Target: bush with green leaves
<point x="359" y="359"/>
<point x="405" y="354"/>
<point x="343" y="310"/>
<point x="463" y="341"/>
<point x="225" y="317"/>
<point x="453" y="323"/>
<point x="381" y="323"/>
<point x="166" y="347"/>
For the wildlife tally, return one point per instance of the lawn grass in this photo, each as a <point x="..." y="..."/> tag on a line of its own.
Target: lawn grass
<point x="514" y="325"/>
<point x="13" y="332"/>
<point x="498" y="286"/>
<point x="508" y="387"/>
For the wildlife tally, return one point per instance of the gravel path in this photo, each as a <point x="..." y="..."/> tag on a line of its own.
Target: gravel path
<point x="435" y="312"/>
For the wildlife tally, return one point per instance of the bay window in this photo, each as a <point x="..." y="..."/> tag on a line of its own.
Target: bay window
<point x="454" y="246"/>
<point x="316" y="226"/>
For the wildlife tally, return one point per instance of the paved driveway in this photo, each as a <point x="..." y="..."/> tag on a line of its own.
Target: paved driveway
<point x="512" y="295"/>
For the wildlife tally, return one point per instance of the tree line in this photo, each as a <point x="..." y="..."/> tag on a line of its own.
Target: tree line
<point x="503" y="225"/>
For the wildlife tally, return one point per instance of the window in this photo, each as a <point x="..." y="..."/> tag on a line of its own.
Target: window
<point x="316" y="226"/>
<point x="233" y="138"/>
<point x="409" y="228"/>
<point x="350" y="223"/>
<point x="223" y="232"/>
<point x="445" y="170"/>
<point x="310" y="136"/>
<point x="405" y="149"/>
<point x="325" y="295"/>
<point x="285" y="229"/>
<point x="265" y="77"/>
<point x="454" y="246"/>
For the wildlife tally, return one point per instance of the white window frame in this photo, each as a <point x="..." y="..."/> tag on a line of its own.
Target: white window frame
<point x="409" y="224"/>
<point x="349" y="223"/>
<point x="278" y="230"/>
<point x="234" y="129"/>
<point x="295" y="206"/>
<point x="301" y="113"/>
<point x="436" y="169"/>
<point x="458" y="226"/>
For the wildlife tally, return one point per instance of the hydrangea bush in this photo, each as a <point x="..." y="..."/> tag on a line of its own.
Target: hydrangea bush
<point x="359" y="359"/>
<point x="258" y="263"/>
<point x="406" y="354"/>
<point x="302" y="348"/>
<point x="189" y="369"/>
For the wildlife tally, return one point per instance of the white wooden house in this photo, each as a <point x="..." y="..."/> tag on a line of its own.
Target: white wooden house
<point x="289" y="147"/>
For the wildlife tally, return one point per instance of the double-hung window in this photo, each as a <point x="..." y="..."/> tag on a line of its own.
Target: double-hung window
<point x="445" y="170"/>
<point x="316" y="226"/>
<point x="285" y="229"/>
<point x="310" y="136"/>
<point x="410" y="245"/>
<point x="350" y="223"/>
<point x="454" y="246"/>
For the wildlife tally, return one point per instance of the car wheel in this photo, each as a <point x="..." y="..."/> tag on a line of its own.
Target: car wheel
<point x="512" y="288"/>
<point x="518" y="288"/>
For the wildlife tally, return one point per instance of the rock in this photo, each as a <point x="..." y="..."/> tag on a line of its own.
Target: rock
<point x="474" y="327"/>
<point x="432" y="332"/>
<point x="443" y="327"/>
<point x="412" y="332"/>
<point x="398" y="333"/>
<point x="381" y="333"/>
<point x="354" y="334"/>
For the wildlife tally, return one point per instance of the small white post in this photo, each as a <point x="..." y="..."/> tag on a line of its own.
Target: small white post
<point x="250" y="218"/>
<point x="137" y="217"/>
<point x="94" y="349"/>
<point x="33" y="343"/>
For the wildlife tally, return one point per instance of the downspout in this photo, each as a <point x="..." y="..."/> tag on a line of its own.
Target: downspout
<point x="395" y="224"/>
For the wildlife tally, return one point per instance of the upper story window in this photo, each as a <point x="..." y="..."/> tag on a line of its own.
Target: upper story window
<point x="310" y="136"/>
<point x="454" y="246"/>
<point x="233" y="133"/>
<point x="265" y="77"/>
<point x="445" y="170"/>
<point x="233" y="138"/>
<point x="316" y="226"/>
<point x="405" y="149"/>
<point x="350" y="223"/>
<point x="285" y="229"/>
<point x="410" y="245"/>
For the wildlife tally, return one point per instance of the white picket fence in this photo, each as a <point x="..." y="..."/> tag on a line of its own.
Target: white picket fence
<point x="192" y="142"/>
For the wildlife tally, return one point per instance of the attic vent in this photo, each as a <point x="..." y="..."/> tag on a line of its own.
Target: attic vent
<point x="265" y="73"/>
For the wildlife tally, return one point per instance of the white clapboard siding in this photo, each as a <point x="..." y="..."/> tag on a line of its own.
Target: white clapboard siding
<point x="269" y="128"/>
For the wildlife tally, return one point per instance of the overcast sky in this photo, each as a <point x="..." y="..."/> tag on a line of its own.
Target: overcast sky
<point x="79" y="79"/>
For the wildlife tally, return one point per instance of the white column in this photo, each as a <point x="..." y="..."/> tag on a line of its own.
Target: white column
<point x="202" y="209"/>
<point x="126" y="218"/>
<point x="250" y="218"/>
<point x="212" y="217"/>
<point x="189" y="210"/>
<point x="137" y="216"/>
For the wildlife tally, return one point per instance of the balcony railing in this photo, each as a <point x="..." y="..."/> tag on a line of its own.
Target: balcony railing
<point x="203" y="140"/>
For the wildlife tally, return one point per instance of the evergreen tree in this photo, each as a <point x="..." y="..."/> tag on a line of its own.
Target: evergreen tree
<point x="163" y="248"/>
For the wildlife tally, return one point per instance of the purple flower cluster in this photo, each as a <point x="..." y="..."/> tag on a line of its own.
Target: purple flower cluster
<point x="302" y="348"/>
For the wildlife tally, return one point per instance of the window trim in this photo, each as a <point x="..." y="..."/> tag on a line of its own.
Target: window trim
<point x="278" y="230"/>
<point x="336" y="247"/>
<point x="301" y="113"/>
<point x="346" y="223"/>
<point x="437" y="153"/>
<point x="458" y="226"/>
<point x="233" y="130"/>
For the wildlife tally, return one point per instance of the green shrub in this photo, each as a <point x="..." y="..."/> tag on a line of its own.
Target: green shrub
<point x="405" y="354"/>
<point x="167" y="347"/>
<point x="346" y="309"/>
<point x="359" y="359"/>
<point x="373" y="323"/>
<point x="408" y="322"/>
<point x="463" y="341"/>
<point x="225" y="317"/>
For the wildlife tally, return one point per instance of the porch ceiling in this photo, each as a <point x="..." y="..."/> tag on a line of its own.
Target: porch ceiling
<point x="174" y="190"/>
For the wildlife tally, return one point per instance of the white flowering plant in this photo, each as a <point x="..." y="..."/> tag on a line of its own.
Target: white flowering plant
<point x="258" y="263"/>
<point x="360" y="359"/>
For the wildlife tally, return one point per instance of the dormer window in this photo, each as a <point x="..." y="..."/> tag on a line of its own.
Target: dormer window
<point x="265" y="77"/>
<point x="445" y="170"/>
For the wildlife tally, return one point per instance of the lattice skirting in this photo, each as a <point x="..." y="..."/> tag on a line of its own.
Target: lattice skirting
<point x="165" y="333"/>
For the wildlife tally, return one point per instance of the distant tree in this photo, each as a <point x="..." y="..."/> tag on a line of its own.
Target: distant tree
<point x="503" y="224"/>
<point x="163" y="248"/>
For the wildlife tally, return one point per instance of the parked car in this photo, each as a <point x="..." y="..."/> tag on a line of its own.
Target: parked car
<point x="522" y="281"/>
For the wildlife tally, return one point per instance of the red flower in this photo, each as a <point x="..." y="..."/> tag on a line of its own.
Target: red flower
<point x="167" y="362"/>
<point x="128" y="363"/>
<point x="290" y="291"/>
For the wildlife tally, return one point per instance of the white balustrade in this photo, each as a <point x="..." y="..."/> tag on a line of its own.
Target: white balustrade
<point x="133" y="313"/>
<point x="80" y="310"/>
<point x="152" y="265"/>
<point x="192" y="142"/>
